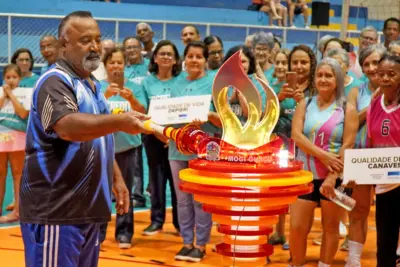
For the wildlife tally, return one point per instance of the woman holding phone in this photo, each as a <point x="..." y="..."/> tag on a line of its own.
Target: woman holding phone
<point x="126" y="96"/>
<point x="284" y="126"/>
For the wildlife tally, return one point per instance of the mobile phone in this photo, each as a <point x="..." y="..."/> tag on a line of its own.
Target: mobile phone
<point x="291" y="79"/>
<point x="118" y="78"/>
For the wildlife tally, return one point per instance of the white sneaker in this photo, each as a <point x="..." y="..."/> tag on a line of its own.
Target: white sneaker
<point x="352" y="264"/>
<point x="342" y="230"/>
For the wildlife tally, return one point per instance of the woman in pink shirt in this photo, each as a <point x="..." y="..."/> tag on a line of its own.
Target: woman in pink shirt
<point x="383" y="122"/>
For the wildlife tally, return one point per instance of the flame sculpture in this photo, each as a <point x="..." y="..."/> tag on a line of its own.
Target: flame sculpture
<point x="244" y="179"/>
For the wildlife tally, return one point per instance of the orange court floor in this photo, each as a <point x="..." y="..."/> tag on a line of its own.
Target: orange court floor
<point x="159" y="250"/>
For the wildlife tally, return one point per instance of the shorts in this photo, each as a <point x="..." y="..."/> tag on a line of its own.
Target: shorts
<point x="315" y="195"/>
<point x="298" y="10"/>
<point x="61" y="245"/>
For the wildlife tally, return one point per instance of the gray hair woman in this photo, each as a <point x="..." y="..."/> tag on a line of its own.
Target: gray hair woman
<point x="342" y="57"/>
<point x="322" y="42"/>
<point x="394" y="48"/>
<point x="323" y="127"/>
<point x="263" y="43"/>
<point x="361" y="97"/>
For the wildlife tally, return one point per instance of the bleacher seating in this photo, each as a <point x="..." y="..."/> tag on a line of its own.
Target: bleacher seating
<point x="27" y="31"/>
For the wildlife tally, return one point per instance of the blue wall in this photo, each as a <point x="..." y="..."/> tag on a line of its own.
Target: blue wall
<point x="27" y="31"/>
<point x="144" y="12"/>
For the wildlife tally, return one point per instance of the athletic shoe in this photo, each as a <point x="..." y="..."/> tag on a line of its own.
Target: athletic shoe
<point x="196" y="255"/>
<point x="317" y="241"/>
<point x="286" y="246"/>
<point x="124" y="243"/>
<point x="152" y="229"/>
<point x="276" y="240"/>
<point x="182" y="255"/>
<point x="353" y="264"/>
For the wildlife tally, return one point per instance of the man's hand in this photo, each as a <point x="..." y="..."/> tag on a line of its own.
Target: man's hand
<point x="133" y="123"/>
<point x="121" y="195"/>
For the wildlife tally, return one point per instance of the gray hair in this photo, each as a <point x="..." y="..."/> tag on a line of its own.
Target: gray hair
<point x="249" y="38"/>
<point x="393" y="43"/>
<point x="367" y="51"/>
<point x="263" y="38"/>
<point x="323" y="40"/>
<point x="341" y="53"/>
<point x="369" y="29"/>
<point x="337" y="70"/>
<point x="143" y="24"/>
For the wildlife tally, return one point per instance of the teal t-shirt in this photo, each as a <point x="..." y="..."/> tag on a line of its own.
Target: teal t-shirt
<point x="137" y="72"/>
<point x="212" y="72"/>
<point x="237" y="109"/>
<point x="29" y="81"/>
<point x="269" y="74"/>
<point x="353" y="83"/>
<point x="184" y="87"/>
<point x="286" y="111"/>
<point x="153" y="88"/>
<point x="124" y="141"/>
<point x="8" y="118"/>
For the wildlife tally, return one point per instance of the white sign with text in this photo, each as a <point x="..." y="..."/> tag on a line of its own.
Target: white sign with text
<point x="180" y="109"/>
<point x="372" y="166"/>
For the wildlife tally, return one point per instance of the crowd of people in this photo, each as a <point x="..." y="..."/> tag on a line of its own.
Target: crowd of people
<point x="69" y="138"/>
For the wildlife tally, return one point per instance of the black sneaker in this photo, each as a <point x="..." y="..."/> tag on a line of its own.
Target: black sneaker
<point x="182" y="255"/>
<point x="196" y="255"/>
<point x="124" y="242"/>
<point x="152" y="229"/>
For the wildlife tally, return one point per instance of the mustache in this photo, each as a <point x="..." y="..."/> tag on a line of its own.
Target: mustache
<point x="92" y="56"/>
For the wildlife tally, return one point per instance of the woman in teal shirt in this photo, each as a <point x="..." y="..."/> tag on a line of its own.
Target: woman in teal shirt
<point x="164" y="67"/>
<point x="24" y="60"/>
<point x="215" y="53"/>
<point x="194" y="222"/>
<point x="342" y="57"/>
<point x="127" y="96"/>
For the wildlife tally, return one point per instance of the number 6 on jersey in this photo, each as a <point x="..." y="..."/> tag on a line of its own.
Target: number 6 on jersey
<point x="385" y="127"/>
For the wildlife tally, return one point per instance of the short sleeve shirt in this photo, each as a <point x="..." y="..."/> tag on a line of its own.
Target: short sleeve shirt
<point x="65" y="182"/>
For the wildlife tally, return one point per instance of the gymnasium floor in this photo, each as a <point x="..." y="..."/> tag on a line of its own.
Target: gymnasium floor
<point x="159" y="250"/>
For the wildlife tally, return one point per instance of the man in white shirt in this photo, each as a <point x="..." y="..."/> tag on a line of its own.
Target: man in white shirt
<point x="100" y="73"/>
<point x="145" y="34"/>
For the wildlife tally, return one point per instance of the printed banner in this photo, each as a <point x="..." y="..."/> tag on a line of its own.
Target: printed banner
<point x="372" y="166"/>
<point x="180" y="109"/>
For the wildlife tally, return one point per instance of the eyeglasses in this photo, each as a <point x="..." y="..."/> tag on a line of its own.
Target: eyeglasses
<point x="131" y="47"/>
<point x="265" y="50"/>
<point x="21" y="60"/>
<point x="368" y="38"/>
<point x="214" y="53"/>
<point x="165" y="54"/>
